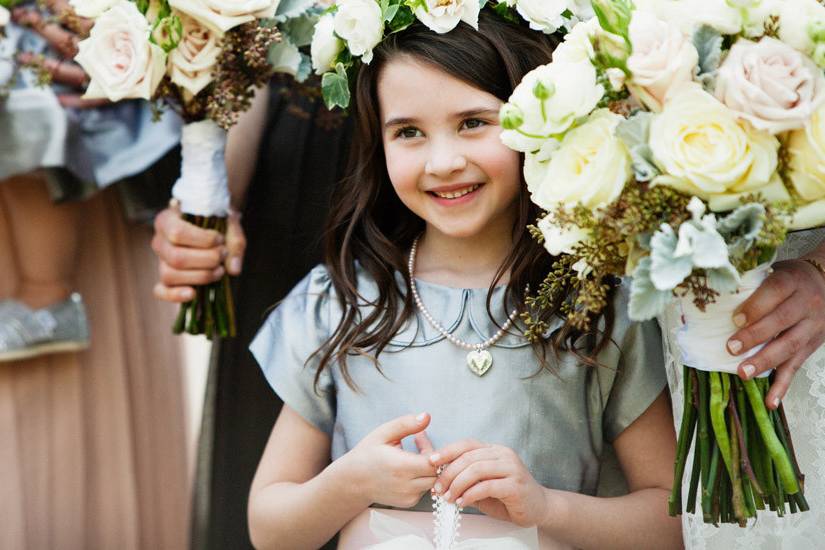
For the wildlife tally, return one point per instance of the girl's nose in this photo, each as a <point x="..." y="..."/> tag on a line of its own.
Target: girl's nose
<point x="444" y="162"/>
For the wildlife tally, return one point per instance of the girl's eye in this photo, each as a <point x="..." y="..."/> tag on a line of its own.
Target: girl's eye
<point x="473" y="123"/>
<point x="408" y="133"/>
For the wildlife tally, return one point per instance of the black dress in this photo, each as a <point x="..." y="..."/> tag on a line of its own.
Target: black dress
<point x="302" y="154"/>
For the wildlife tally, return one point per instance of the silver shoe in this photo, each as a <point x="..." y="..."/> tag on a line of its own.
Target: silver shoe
<point x="26" y="332"/>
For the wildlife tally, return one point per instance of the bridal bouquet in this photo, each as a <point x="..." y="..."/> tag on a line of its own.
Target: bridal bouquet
<point x="676" y="143"/>
<point x="203" y="59"/>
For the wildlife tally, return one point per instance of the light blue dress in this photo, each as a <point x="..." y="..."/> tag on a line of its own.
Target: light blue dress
<point x="94" y="147"/>
<point x="559" y="423"/>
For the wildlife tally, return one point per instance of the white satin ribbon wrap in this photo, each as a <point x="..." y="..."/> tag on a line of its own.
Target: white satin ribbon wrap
<point x="202" y="188"/>
<point x="397" y="534"/>
<point x="703" y="336"/>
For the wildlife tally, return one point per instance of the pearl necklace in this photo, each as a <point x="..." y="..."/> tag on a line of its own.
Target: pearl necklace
<point x="479" y="359"/>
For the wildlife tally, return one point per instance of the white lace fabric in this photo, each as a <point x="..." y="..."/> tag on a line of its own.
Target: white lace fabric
<point x="805" y="409"/>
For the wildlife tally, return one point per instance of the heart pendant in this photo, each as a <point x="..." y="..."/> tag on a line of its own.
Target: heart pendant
<point x="479" y="361"/>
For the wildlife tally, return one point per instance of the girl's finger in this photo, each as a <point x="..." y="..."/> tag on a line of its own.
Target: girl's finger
<point x="61" y="40"/>
<point x="788" y="344"/>
<point x="783" y="317"/>
<point x="424" y="484"/>
<point x="76" y="101"/>
<point x="495" y="489"/>
<point x="462" y="463"/>
<point x="782" y="380"/>
<point x="183" y="258"/>
<point x="398" y="428"/>
<point x="190" y="277"/>
<point x="423" y="443"/>
<point x="180" y="232"/>
<point x="475" y="473"/>
<point x="773" y="291"/>
<point x="454" y="450"/>
<point x="178" y="294"/>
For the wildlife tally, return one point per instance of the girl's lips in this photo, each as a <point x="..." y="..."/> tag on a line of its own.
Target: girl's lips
<point x="466" y="195"/>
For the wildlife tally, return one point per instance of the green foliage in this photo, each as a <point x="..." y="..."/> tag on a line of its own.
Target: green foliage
<point x="335" y="88"/>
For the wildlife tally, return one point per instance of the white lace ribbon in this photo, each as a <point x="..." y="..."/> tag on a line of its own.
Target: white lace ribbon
<point x="397" y="534"/>
<point x="202" y="188"/>
<point x="703" y="335"/>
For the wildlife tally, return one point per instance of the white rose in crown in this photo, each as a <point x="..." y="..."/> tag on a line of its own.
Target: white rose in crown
<point x="442" y="16"/>
<point x="703" y="150"/>
<point x="770" y="84"/>
<point x="91" y="8"/>
<point x="361" y="24"/>
<point x="547" y="102"/>
<point x="806" y="158"/>
<point x="325" y="45"/>
<point x="543" y="15"/>
<point x="577" y="46"/>
<point x="223" y="15"/>
<point x="118" y="56"/>
<point x="663" y="59"/>
<point x="590" y="167"/>
<point x="192" y="63"/>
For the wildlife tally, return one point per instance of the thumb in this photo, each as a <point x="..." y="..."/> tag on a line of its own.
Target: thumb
<point x="397" y="429"/>
<point x="235" y="243"/>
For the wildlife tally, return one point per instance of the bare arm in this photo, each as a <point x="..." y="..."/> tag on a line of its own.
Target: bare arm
<point x="300" y="500"/>
<point x="242" y="145"/>
<point x="494" y="479"/>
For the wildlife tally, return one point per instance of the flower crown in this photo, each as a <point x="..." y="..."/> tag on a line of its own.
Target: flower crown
<point x="350" y="30"/>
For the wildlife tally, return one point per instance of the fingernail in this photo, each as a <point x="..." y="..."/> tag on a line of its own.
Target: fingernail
<point x="459" y="502"/>
<point x="218" y="272"/>
<point x="421" y="417"/>
<point x="220" y="239"/>
<point x="740" y="320"/>
<point x="187" y="295"/>
<point x="438" y="488"/>
<point x="447" y="496"/>
<point x="735" y="346"/>
<point x="435" y="457"/>
<point x="748" y="370"/>
<point x="235" y="265"/>
<point x="776" y="402"/>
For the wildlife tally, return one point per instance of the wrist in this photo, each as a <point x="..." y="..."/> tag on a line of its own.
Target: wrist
<point x="556" y="510"/>
<point x="348" y="477"/>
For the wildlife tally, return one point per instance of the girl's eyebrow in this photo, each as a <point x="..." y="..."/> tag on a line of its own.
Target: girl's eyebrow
<point x="479" y="111"/>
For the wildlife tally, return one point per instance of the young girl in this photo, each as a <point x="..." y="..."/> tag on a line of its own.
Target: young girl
<point x="428" y="257"/>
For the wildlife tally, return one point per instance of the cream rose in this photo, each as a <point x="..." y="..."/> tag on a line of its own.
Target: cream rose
<point x="222" y="15"/>
<point x="89" y="8"/>
<point x="543" y="15"/>
<point x="590" y="168"/>
<point x="191" y="64"/>
<point x="361" y="24"/>
<point x="770" y="84"/>
<point x="560" y="240"/>
<point x="796" y="20"/>
<point x="442" y="16"/>
<point x="118" y="56"/>
<point x="663" y="59"/>
<point x="806" y="158"/>
<point x="325" y="45"/>
<point x="703" y="150"/>
<point x="550" y="99"/>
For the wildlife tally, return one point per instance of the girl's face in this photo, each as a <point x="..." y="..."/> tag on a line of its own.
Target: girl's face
<point x="444" y="156"/>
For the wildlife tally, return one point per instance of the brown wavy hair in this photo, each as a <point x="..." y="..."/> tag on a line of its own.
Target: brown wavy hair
<point x="368" y="224"/>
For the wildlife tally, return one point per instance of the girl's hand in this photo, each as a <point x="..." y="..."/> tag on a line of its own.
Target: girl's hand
<point x="493" y="479"/>
<point x="190" y="255"/>
<point x="384" y="472"/>
<point x="789" y="307"/>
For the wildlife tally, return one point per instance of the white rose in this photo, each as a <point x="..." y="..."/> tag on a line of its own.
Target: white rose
<point x="191" y="64"/>
<point x="577" y="46"/>
<point x="590" y="168"/>
<point x="4" y="17"/>
<point x="732" y="16"/>
<point x="543" y="15"/>
<point x="806" y="158"/>
<point x="118" y="56"/>
<point x="442" y="16"/>
<point x="569" y="92"/>
<point x="558" y="240"/>
<point x="325" y="45"/>
<point x="770" y="84"/>
<point x="222" y="15"/>
<point x="703" y="150"/>
<point x="795" y="22"/>
<point x="663" y="59"/>
<point x="90" y="8"/>
<point x="361" y="24"/>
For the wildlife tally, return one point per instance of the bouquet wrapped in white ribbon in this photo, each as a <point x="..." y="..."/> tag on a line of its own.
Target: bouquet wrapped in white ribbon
<point x="676" y="143"/>
<point x="203" y="59"/>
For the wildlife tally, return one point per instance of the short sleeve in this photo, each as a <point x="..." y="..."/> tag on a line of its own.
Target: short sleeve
<point x="640" y="377"/>
<point x="284" y="348"/>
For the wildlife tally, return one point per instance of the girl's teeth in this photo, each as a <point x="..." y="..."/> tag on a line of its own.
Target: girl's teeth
<point x="459" y="193"/>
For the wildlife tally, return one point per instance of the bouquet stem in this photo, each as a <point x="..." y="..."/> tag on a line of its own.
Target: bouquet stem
<point x="743" y="453"/>
<point x="212" y="311"/>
